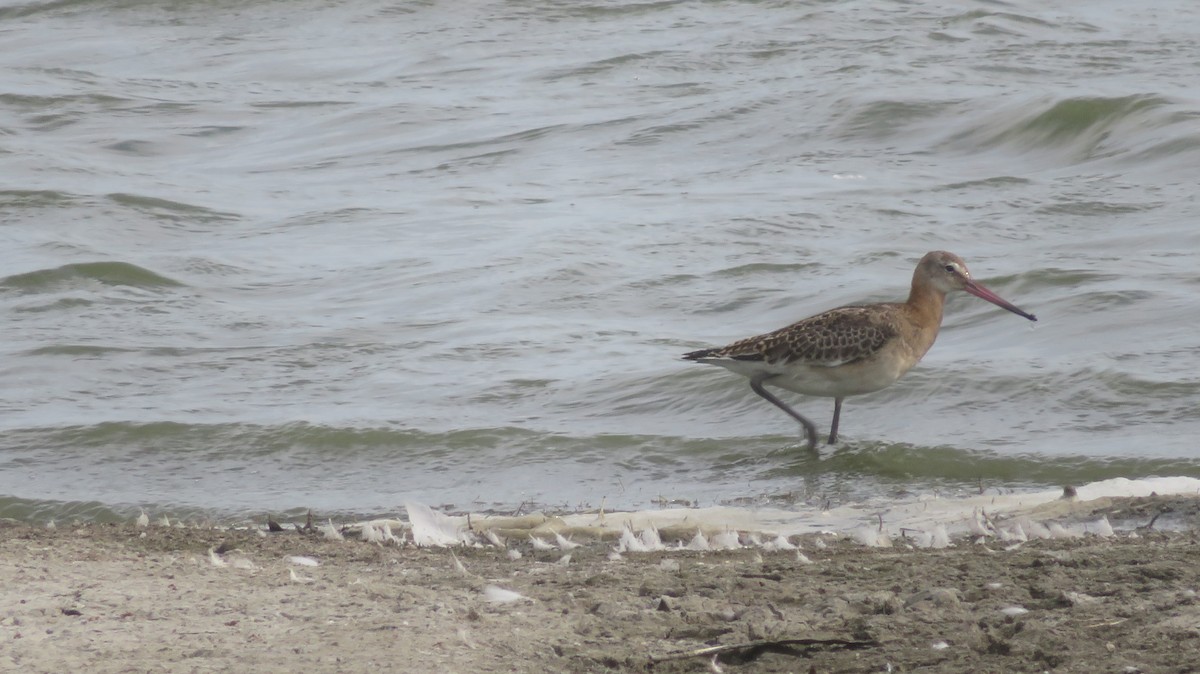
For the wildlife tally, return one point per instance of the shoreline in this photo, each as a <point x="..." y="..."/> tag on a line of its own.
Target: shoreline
<point x="119" y="598"/>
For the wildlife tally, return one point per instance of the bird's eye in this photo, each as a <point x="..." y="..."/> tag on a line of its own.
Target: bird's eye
<point x="950" y="268"/>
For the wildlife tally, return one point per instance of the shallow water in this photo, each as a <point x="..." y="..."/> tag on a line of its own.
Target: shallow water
<point x="336" y="255"/>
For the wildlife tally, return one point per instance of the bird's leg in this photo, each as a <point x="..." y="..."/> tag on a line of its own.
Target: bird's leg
<point x="837" y="415"/>
<point x="810" y="431"/>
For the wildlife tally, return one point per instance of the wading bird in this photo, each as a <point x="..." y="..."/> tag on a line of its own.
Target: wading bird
<point x="855" y="349"/>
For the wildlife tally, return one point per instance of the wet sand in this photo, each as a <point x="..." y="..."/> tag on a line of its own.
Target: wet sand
<point x="119" y="598"/>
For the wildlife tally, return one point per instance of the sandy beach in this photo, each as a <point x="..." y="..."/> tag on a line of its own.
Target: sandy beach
<point x="122" y="598"/>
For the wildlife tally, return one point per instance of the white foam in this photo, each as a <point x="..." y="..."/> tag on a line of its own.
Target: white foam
<point x="929" y="520"/>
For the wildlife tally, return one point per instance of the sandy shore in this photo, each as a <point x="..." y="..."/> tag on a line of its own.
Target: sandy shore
<point x="119" y="598"/>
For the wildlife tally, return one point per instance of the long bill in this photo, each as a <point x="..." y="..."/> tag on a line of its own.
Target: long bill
<point x="981" y="292"/>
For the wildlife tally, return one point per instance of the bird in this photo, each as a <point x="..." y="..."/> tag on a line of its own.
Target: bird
<point x="854" y="349"/>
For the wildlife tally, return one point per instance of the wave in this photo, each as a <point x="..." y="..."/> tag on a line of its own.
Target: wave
<point x="106" y="273"/>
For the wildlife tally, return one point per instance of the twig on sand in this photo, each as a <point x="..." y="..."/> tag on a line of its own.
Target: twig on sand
<point x="751" y="650"/>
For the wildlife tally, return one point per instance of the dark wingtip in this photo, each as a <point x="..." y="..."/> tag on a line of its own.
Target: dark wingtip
<point x="697" y="355"/>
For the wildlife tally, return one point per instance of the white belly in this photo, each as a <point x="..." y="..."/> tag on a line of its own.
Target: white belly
<point x="832" y="382"/>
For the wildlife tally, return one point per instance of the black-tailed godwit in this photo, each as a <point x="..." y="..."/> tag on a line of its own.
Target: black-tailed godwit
<point x="855" y="349"/>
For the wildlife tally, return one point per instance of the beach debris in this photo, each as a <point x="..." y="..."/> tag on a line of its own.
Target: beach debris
<point x="872" y="537"/>
<point x="1014" y="611"/>
<point x="742" y="653"/>
<point x="1059" y="531"/>
<point x="272" y="525"/>
<point x="940" y="646"/>
<point x="780" y="543"/>
<point x="699" y="542"/>
<point x="726" y="540"/>
<point x="1036" y="529"/>
<point x="143" y="520"/>
<point x="431" y="528"/>
<point x="514" y="554"/>
<point x="331" y="532"/>
<point x="499" y="595"/>
<point x="494" y="539"/>
<point x="215" y="559"/>
<point x="629" y="543"/>
<point x="458" y="565"/>
<point x="302" y="561"/>
<point x="1101" y="527"/>
<point x="651" y="539"/>
<point x="565" y="543"/>
<point x="244" y="563"/>
<point x="371" y="534"/>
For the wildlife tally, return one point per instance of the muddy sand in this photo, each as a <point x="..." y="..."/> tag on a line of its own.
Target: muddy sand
<point x="121" y="598"/>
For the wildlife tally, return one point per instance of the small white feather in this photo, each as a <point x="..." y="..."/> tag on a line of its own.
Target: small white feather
<point x="143" y="520"/>
<point x="331" y="532"/>
<point x="565" y="560"/>
<point x="726" y="540"/>
<point x="803" y="558"/>
<point x="1037" y="530"/>
<point x="565" y="543"/>
<point x="493" y="538"/>
<point x="939" y="537"/>
<point x="431" y="528"/>
<point x="499" y="595"/>
<point x="1013" y="611"/>
<point x="539" y="544"/>
<point x="215" y="559"/>
<point x="872" y="537"/>
<point x="940" y="645"/>
<point x="1059" y="531"/>
<point x="630" y="543"/>
<point x="458" y="564"/>
<point x="699" y="542"/>
<point x="51" y="525"/>
<point x="979" y="525"/>
<point x="302" y="561"/>
<point x="780" y="543"/>
<point x="164" y="522"/>
<point x="1101" y="527"/>
<point x="297" y="578"/>
<point x="514" y="554"/>
<point x="651" y="539"/>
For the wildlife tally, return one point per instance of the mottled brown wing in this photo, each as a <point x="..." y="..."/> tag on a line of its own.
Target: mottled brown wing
<point x="833" y="338"/>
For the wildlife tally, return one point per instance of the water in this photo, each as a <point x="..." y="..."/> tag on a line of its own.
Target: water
<point x="268" y="257"/>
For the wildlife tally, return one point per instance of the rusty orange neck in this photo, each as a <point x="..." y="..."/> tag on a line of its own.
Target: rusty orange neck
<point x="924" y="306"/>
